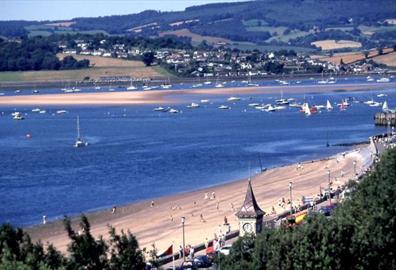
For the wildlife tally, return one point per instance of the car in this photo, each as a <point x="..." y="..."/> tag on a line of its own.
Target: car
<point x="202" y="261"/>
<point x="225" y="250"/>
<point x="327" y="210"/>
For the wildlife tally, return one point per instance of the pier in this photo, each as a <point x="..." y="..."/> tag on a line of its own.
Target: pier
<point x="384" y="119"/>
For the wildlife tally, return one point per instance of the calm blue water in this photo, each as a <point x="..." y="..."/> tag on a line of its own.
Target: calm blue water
<point x="137" y="154"/>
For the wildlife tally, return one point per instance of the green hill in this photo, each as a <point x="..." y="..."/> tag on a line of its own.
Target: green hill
<point x="264" y="22"/>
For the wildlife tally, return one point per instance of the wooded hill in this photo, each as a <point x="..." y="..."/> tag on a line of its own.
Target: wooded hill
<point x="276" y="22"/>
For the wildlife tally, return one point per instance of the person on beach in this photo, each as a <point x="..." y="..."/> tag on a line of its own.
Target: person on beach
<point x="225" y="220"/>
<point x="181" y="252"/>
<point x="113" y="210"/>
<point x="152" y="203"/>
<point x="202" y="219"/>
<point x="217" y="205"/>
<point x="44" y="220"/>
<point x="213" y="196"/>
<point x="191" y="254"/>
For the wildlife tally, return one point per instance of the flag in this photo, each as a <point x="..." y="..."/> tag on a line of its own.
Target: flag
<point x="167" y="252"/>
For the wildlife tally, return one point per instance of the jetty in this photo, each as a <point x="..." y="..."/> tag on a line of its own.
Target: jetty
<point x="384" y="119"/>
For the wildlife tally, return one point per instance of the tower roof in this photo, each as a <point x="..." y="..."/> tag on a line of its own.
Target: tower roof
<point x="250" y="208"/>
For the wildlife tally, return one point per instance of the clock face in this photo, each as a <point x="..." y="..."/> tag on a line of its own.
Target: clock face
<point x="247" y="227"/>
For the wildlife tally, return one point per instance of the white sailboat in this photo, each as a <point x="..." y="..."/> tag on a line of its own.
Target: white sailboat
<point x="79" y="141"/>
<point x="385" y="107"/>
<point x="329" y="107"/>
<point x="306" y="109"/>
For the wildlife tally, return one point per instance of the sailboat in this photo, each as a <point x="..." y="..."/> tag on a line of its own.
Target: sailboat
<point x="131" y="87"/>
<point x="79" y="141"/>
<point x="385" y="107"/>
<point x="329" y="107"/>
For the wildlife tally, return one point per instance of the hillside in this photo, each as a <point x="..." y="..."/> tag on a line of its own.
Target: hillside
<point x="263" y="22"/>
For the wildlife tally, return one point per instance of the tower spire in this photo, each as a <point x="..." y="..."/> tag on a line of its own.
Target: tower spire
<point x="250" y="208"/>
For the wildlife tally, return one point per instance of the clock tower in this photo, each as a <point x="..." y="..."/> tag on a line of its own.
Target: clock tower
<point x="250" y="215"/>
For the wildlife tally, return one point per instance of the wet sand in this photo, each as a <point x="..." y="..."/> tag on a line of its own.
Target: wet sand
<point x="175" y="96"/>
<point x="161" y="224"/>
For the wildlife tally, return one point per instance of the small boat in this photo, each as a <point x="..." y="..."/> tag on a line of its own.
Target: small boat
<point x="166" y="86"/>
<point x="383" y="80"/>
<point x="369" y="102"/>
<point x="193" y="105"/>
<point x="79" y="141"/>
<point x="42" y="111"/>
<point x="173" y="110"/>
<point x="329" y="107"/>
<point x="319" y="107"/>
<point x="160" y="109"/>
<point x="197" y="85"/>
<point x="219" y="85"/>
<point x="233" y="99"/>
<point x="270" y="108"/>
<point x="61" y="111"/>
<point x="254" y="104"/>
<point x="130" y="88"/>
<point x="369" y="79"/>
<point x="382" y="95"/>
<point x="36" y="110"/>
<point x="204" y="100"/>
<point x="17" y="116"/>
<point x="224" y="107"/>
<point x="375" y="104"/>
<point x="295" y="105"/>
<point x="17" y="91"/>
<point x="97" y="87"/>
<point x="207" y="83"/>
<point x="36" y="91"/>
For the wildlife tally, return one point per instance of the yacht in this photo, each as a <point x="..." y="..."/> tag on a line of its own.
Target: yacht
<point x="193" y="105"/>
<point x="79" y="141"/>
<point x="204" y="100"/>
<point x="233" y="99"/>
<point x="131" y="87"/>
<point x="173" y="111"/>
<point x="17" y="116"/>
<point x="383" y="80"/>
<point x="160" y="109"/>
<point x="224" y="107"/>
<point x="61" y="111"/>
<point x="36" y="110"/>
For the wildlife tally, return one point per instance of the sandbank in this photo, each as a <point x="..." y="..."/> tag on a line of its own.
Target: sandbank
<point x="176" y="96"/>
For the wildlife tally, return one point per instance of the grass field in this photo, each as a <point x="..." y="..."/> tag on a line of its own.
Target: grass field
<point x="195" y="38"/>
<point x="331" y="44"/>
<point x="386" y="59"/>
<point x="102" y="67"/>
<point x="348" y="58"/>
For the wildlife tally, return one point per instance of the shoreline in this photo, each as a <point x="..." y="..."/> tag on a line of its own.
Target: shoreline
<point x="160" y="224"/>
<point x="176" y="96"/>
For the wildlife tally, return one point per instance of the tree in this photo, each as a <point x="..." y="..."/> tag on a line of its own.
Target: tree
<point x="124" y="251"/>
<point x="148" y="58"/>
<point x="380" y="51"/>
<point x="85" y="251"/>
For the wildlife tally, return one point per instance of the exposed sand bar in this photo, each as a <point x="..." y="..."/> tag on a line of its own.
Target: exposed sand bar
<point x="161" y="224"/>
<point x="175" y="96"/>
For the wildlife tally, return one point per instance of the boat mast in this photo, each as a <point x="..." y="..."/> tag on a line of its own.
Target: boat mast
<point x="78" y="127"/>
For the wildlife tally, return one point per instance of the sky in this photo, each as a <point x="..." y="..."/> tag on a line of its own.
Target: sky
<point x="68" y="9"/>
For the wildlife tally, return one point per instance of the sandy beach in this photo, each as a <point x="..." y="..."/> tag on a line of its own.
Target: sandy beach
<point x="175" y="96"/>
<point x="160" y="223"/>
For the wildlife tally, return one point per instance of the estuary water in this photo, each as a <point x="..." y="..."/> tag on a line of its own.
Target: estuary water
<point x="135" y="153"/>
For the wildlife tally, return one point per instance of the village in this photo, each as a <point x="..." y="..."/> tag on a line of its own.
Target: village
<point x="223" y="62"/>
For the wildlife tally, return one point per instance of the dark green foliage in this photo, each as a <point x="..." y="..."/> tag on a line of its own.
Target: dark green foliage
<point x="124" y="251"/>
<point x="35" y="54"/>
<point x="84" y="250"/>
<point x="360" y="235"/>
<point x="148" y="58"/>
<point x="17" y="252"/>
